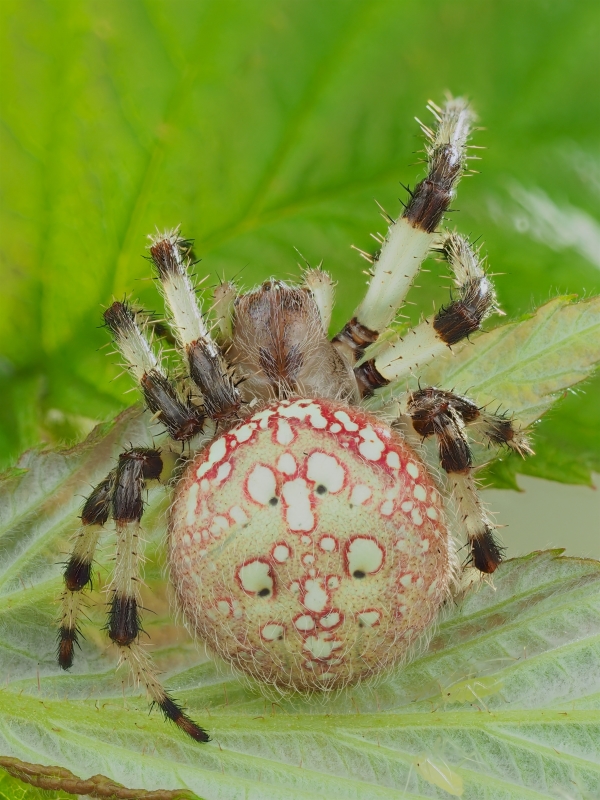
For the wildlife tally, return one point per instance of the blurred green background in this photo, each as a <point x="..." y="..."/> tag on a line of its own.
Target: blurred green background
<point x="267" y="125"/>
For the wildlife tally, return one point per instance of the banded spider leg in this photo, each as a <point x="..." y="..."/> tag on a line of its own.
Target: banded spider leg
<point x="120" y="494"/>
<point x="445" y="415"/>
<point x="411" y="237"/>
<point x="433" y="412"/>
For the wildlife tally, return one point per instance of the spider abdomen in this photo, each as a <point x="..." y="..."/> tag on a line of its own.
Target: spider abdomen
<point x="308" y="545"/>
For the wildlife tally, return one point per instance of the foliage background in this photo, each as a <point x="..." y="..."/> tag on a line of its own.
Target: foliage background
<point x="260" y="126"/>
<point x="264" y="126"/>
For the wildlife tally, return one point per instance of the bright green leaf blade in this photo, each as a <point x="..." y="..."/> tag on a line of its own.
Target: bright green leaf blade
<point x="524" y="366"/>
<point x="262" y="127"/>
<point x="504" y="704"/>
<point x="521" y="366"/>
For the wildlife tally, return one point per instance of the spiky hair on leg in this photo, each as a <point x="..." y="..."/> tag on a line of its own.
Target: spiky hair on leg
<point x="477" y="297"/>
<point x="410" y="238"/>
<point x="182" y="419"/>
<point x="403" y="354"/>
<point x="78" y="569"/>
<point x="445" y="149"/>
<point x="500" y="430"/>
<point x="169" y="253"/>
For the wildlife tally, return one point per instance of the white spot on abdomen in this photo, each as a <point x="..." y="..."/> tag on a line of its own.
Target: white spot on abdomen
<point x="215" y="454"/>
<point x="416" y="516"/>
<point x="321" y="646"/>
<point x="224" y="608"/>
<point x="420" y="493"/>
<point x="360" y="494"/>
<point x="326" y="471"/>
<point x="219" y="525"/>
<point x="393" y="460"/>
<point x="255" y="577"/>
<point x="298" y="513"/>
<point x="302" y="409"/>
<point x="271" y="631"/>
<point x="238" y="515"/>
<point x="281" y="553"/>
<point x="387" y="508"/>
<point x="243" y="433"/>
<point x="412" y="470"/>
<point x="369" y="618"/>
<point x="364" y="555"/>
<point x="372" y="447"/>
<point x="304" y="622"/>
<point x="285" y="434"/>
<point x="222" y="473"/>
<point x="346" y="421"/>
<point x="330" y="620"/>
<point x="315" y="596"/>
<point x="328" y="544"/>
<point x="287" y="464"/>
<point x="190" y="504"/>
<point x="261" y="484"/>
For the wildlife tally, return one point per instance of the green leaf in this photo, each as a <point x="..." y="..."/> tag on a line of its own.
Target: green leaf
<point x="524" y="366"/>
<point x="261" y="127"/>
<point x="13" y="789"/>
<point x="503" y="704"/>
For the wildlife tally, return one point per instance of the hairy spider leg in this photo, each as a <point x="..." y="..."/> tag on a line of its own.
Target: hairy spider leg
<point x="410" y="238"/>
<point x="485" y="551"/>
<point x="401" y="356"/>
<point x="435" y="412"/>
<point x="135" y="467"/>
<point x="183" y="420"/>
<point x="78" y="569"/>
<point x="223" y="299"/>
<point x="321" y="286"/>
<point x="207" y="367"/>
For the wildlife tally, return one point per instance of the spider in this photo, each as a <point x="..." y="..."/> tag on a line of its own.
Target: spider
<point x="309" y="541"/>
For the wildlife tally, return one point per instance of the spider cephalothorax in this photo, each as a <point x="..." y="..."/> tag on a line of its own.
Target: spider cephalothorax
<point x="308" y="540"/>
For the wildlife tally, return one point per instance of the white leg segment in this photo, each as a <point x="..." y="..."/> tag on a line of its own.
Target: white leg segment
<point x="207" y="367"/>
<point x="402" y="254"/>
<point x="403" y="356"/>
<point x="169" y="253"/>
<point x="131" y="341"/>
<point x="486" y="552"/>
<point x="409" y="239"/>
<point x="321" y="287"/>
<point x="223" y="298"/>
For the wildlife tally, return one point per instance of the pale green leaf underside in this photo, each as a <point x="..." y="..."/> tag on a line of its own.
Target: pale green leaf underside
<point x="522" y="366"/>
<point x="504" y="704"/>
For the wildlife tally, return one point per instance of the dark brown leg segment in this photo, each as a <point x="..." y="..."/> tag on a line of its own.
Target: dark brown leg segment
<point x="135" y="467"/>
<point x="119" y="495"/>
<point x="170" y="255"/>
<point x="183" y="420"/>
<point x="78" y="569"/>
<point x="435" y="412"/>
